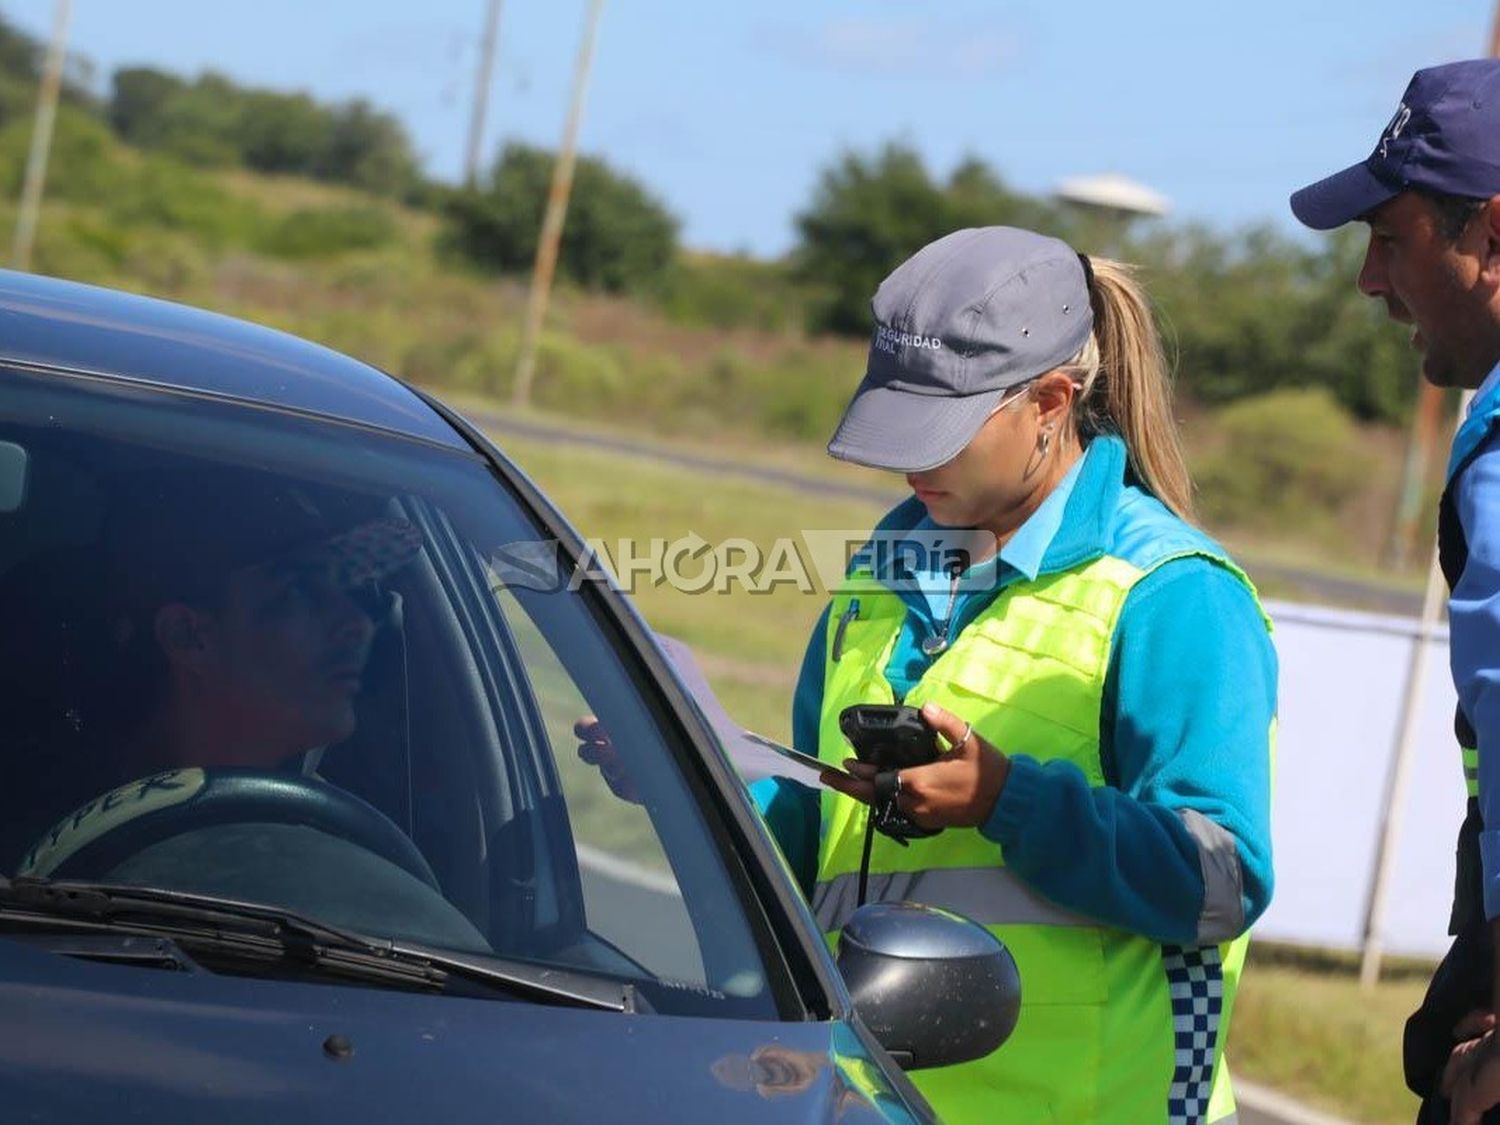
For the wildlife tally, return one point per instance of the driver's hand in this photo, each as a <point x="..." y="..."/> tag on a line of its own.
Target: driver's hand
<point x="595" y="748"/>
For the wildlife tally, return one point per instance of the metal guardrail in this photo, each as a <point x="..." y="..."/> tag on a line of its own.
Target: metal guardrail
<point x="1354" y="621"/>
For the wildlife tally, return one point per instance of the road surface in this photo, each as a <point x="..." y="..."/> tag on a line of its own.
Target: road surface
<point x="1307" y="585"/>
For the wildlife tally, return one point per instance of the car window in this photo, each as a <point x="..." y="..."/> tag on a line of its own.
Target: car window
<point x="272" y="658"/>
<point x="624" y="874"/>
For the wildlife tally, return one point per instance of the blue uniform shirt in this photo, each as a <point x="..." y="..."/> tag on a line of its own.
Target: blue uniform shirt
<point x="1474" y="632"/>
<point x="1189" y="699"/>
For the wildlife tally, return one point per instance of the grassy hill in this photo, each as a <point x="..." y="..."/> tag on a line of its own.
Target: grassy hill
<point x="1287" y="474"/>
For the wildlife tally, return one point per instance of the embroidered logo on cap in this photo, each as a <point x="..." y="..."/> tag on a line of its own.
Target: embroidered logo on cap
<point x="889" y="340"/>
<point x="1394" y="129"/>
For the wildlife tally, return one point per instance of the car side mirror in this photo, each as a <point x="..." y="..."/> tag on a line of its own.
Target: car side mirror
<point x="933" y="987"/>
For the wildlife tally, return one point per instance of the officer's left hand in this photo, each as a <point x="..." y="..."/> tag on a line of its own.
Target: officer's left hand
<point x="958" y="790"/>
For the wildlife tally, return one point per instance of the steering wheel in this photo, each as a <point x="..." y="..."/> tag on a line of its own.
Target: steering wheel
<point x="97" y="837"/>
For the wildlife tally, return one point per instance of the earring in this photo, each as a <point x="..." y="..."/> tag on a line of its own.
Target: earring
<point x="1046" y="441"/>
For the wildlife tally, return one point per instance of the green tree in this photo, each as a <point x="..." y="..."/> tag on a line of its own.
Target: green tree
<point x="137" y="101"/>
<point x="368" y="149"/>
<point x="870" y="212"/>
<point x="21" y="69"/>
<point x="20" y="64"/>
<point x="617" y="237"/>
<point x="866" y="215"/>
<point x="1252" y="311"/>
<point x="281" y="132"/>
<point x="199" y="123"/>
<point x="214" y="121"/>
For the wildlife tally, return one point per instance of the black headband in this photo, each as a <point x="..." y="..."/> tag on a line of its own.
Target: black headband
<point x="1088" y="271"/>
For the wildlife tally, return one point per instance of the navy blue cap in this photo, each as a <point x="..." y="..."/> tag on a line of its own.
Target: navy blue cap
<point x="1444" y="138"/>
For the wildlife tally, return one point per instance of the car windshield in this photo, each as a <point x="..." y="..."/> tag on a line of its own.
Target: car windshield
<point x="295" y="662"/>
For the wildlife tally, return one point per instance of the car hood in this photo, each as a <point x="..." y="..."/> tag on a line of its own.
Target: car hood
<point x="84" y="1038"/>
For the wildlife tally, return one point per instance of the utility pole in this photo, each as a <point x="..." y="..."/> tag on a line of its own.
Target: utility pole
<point x="482" y="91"/>
<point x="41" y="137"/>
<point x="1433" y="605"/>
<point x="1373" y="944"/>
<point x="557" y="209"/>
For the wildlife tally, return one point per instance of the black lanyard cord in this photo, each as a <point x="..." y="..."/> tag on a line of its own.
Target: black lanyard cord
<point x="864" y="860"/>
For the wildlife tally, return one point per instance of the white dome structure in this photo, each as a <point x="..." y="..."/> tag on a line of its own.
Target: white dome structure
<point x="1113" y="192"/>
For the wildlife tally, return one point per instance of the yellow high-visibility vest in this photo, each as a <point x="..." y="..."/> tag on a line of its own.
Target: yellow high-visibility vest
<point x="1114" y="1027"/>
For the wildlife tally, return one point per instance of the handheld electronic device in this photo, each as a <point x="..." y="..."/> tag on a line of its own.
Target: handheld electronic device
<point x="893" y="738"/>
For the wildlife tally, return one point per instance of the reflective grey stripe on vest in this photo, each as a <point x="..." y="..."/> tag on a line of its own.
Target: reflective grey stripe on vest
<point x="1232" y="1119"/>
<point x="991" y="896"/>
<point x="1223" y="915"/>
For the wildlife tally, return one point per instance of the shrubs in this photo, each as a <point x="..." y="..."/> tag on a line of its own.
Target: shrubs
<point x="326" y="231"/>
<point x="803" y="394"/>
<point x="1285" y="459"/>
<point x="732" y="291"/>
<point x="618" y="236"/>
<point x="1256" y="312"/>
<point x="112" y="203"/>
<point x="213" y="121"/>
<point x="84" y="163"/>
<point x="577" y="378"/>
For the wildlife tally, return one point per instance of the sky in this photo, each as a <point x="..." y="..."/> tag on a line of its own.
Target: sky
<point x="729" y="112"/>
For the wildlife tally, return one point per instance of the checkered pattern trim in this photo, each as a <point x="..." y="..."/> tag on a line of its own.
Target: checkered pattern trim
<point x="1195" y="979"/>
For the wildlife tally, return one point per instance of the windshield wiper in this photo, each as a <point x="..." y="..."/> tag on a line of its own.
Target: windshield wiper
<point x="227" y="928"/>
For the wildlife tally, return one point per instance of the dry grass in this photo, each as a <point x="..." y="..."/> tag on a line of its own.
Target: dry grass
<point x="1309" y="1031"/>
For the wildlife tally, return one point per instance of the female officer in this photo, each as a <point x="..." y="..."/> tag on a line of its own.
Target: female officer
<point x="1103" y="680"/>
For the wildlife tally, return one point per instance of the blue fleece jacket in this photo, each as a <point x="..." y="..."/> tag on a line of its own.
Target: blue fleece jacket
<point x="1189" y="699"/>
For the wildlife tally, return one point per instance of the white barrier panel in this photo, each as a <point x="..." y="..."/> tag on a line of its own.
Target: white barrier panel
<point x="1342" y="679"/>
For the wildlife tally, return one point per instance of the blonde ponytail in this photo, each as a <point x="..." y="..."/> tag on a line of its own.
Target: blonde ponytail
<point x="1124" y="386"/>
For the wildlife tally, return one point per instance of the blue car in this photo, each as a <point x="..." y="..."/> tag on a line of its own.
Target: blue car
<point x="293" y="821"/>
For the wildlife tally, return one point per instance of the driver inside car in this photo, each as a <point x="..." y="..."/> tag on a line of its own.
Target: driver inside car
<point x="248" y="615"/>
<point x="243" y="619"/>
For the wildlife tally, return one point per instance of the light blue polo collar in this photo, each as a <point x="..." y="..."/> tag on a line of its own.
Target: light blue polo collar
<point x="1065" y="528"/>
<point x="1486" y="389"/>
<point x="1029" y="545"/>
<point x="1482" y="411"/>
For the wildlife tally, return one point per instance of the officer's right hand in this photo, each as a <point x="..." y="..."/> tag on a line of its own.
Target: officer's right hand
<point x="1473" y="1025"/>
<point x="1471" y="1080"/>
<point x="595" y="748"/>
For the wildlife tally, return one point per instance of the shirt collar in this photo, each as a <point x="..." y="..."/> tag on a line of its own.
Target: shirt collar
<point x="1488" y="387"/>
<point x="1026" y="549"/>
<point x="1076" y="532"/>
